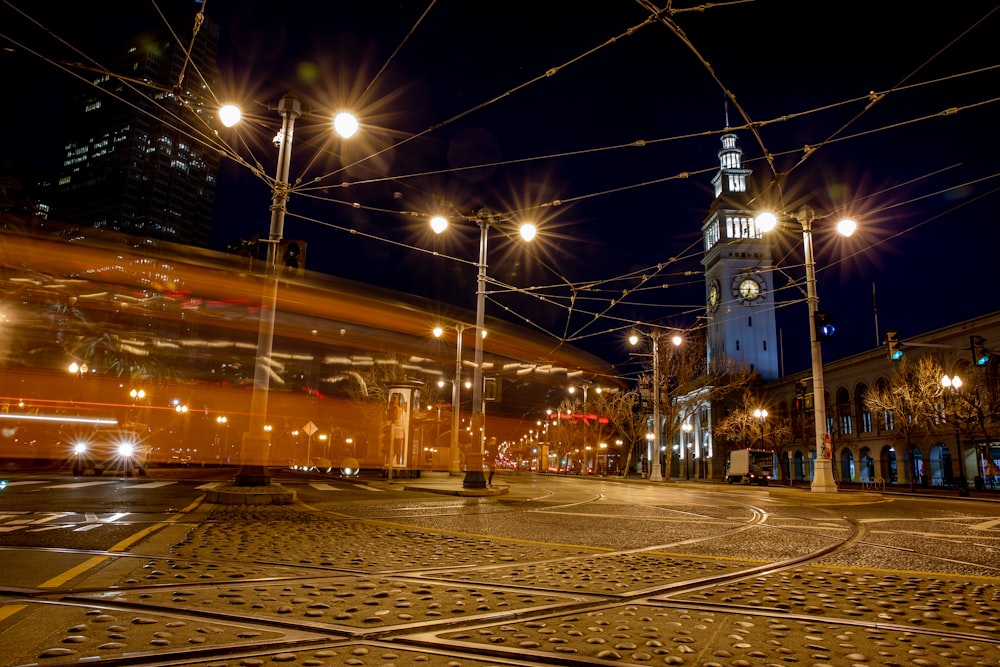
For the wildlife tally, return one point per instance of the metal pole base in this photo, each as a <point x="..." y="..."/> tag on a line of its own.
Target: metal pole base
<point x="252" y="476"/>
<point x="823" y="477"/>
<point x="252" y="471"/>
<point x="474" y="478"/>
<point x="654" y="473"/>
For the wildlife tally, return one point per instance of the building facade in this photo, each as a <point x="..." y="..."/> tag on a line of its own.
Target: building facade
<point x="865" y="448"/>
<point x="129" y="165"/>
<point x="738" y="285"/>
<point x="872" y="448"/>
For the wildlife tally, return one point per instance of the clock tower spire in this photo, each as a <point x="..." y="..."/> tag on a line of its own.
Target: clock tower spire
<point x="737" y="261"/>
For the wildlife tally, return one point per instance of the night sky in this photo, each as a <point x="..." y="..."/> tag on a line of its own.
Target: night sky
<point x="446" y="86"/>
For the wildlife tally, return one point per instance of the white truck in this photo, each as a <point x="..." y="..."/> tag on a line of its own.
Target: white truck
<point x="750" y="466"/>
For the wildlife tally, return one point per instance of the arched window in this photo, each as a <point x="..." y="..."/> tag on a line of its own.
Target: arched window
<point x="864" y="414"/>
<point x="845" y="419"/>
<point x="887" y="419"/>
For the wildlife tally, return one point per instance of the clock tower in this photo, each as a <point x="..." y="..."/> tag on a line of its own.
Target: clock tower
<point x="739" y="289"/>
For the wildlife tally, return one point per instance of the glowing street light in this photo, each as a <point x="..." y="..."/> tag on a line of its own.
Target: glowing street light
<point x="951" y="385"/>
<point x="654" y="438"/>
<point x="760" y="414"/>
<point x="455" y="465"/>
<point x="253" y="466"/>
<point x="485" y="219"/>
<point x="822" y="481"/>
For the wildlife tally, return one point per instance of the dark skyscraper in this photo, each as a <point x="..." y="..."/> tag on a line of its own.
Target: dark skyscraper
<point x="130" y="162"/>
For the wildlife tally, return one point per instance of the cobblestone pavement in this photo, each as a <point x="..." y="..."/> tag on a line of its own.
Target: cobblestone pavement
<point x="725" y="584"/>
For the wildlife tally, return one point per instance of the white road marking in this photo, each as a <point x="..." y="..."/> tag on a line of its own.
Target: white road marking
<point x="153" y="485"/>
<point x="52" y="516"/>
<point x="79" y="485"/>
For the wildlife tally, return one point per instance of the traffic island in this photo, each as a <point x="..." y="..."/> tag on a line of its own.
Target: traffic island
<point x="231" y="494"/>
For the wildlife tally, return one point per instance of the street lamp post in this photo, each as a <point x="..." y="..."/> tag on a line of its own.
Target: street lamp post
<point x="761" y="415"/>
<point x="455" y="465"/>
<point x="474" y="478"/>
<point x="822" y="481"/>
<point x="952" y="385"/>
<point x="253" y="462"/>
<point x="686" y="429"/>
<point x="654" y="453"/>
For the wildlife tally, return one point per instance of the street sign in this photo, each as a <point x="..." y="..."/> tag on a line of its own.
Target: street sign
<point x="310" y="428"/>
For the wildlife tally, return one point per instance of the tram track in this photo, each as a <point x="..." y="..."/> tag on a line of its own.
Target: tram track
<point x="463" y="613"/>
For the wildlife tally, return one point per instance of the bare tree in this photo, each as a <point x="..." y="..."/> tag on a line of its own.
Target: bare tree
<point x="689" y="380"/>
<point x="973" y="411"/>
<point x="744" y="428"/>
<point x="908" y="405"/>
<point x="628" y="419"/>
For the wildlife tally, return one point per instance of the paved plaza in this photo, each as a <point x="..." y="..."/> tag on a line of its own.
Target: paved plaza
<point x="770" y="577"/>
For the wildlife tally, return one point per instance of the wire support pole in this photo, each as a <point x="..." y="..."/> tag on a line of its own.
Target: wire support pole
<point x="256" y="441"/>
<point x="474" y="478"/>
<point x="655" y="473"/>
<point x="456" y="402"/>
<point x="822" y="481"/>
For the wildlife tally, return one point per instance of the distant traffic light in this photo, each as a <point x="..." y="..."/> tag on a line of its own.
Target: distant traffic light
<point x="824" y="325"/>
<point x="895" y="346"/>
<point x="803" y="396"/>
<point x="980" y="355"/>
<point x="244" y="247"/>
<point x="292" y="257"/>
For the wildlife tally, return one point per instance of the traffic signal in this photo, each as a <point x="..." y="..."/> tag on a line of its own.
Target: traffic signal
<point x="244" y="247"/>
<point x="895" y="347"/>
<point x="980" y="355"/>
<point x="803" y="396"/>
<point x="292" y="257"/>
<point x="824" y="325"/>
<point x="492" y="389"/>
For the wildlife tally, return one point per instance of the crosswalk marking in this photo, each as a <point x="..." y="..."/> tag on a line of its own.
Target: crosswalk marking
<point x="53" y="484"/>
<point x="323" y="486"/>
<point x="153" y="485"/>
<point x="79" y="485"/>
<point x="84" y="528"/>
<point x="52" y="516"/>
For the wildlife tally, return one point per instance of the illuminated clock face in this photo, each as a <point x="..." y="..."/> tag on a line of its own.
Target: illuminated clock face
<point x="713" y="295"/>
<point x="748" y="288"/>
